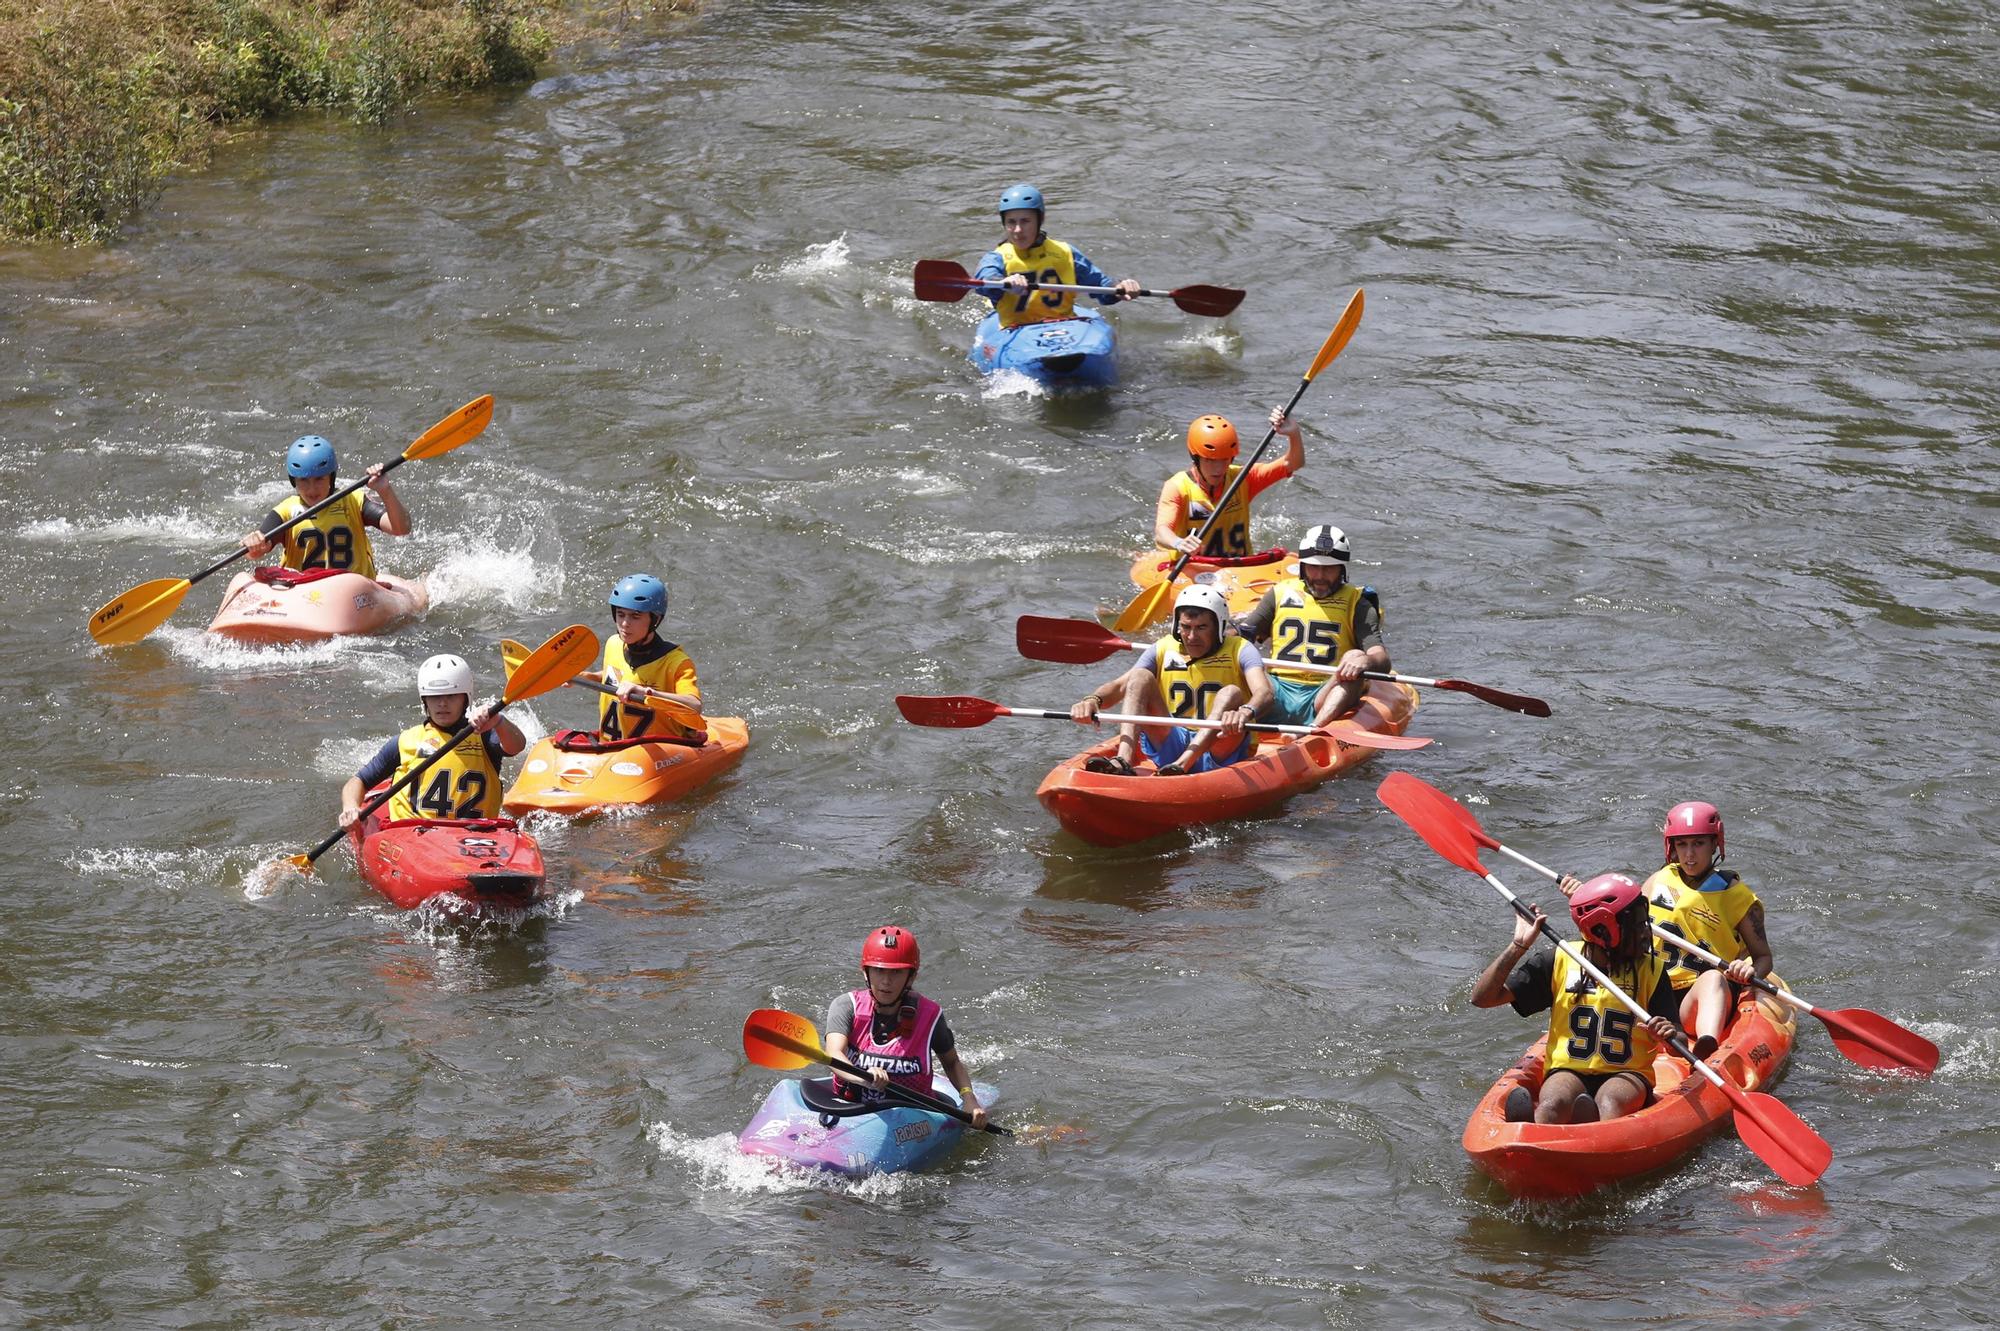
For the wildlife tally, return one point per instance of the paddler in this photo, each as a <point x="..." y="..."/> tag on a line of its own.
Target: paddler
<point x="1598" y="1062"/>
<point x="637" y="659"/>
<point x="1189" y="497"/>
<point x="337" y="537"/>
<point x="893" y="1032"/>
<point x="1318" y="617"/>
<point x="1028" y="256"/>
<point x="1201" y="669"/>
<point x="465" y="783"/>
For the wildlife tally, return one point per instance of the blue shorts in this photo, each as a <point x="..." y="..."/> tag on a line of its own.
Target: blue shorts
<point x="1294" y="705"/>
<point x="1176" y="742"/>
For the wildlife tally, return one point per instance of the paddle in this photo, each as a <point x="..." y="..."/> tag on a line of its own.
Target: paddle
<point x="130" y="617"/>
<point x="548" y="667"/>
<point x="943" y="280"/>
<point x="774" y="1038"/>
<point x="513" y="653"/>
<point x="1150" y="604"/>
<point x="1078" y="641"/>
<point x="963" y="712"/>
<point x="1866" y="1038"/>
<point x="1779" y="1137"/>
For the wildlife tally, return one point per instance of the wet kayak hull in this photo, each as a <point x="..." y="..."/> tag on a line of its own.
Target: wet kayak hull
<point x="468" y="866"/>
<point x="341" y="604"/>
<point x="891" y="1140"/>
<point x="1062" y="353"/>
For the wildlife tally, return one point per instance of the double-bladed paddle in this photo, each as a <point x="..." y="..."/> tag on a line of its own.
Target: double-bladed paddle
<point x="774" y="1038"/>
<point x="943" y="280"/>
<point x="963" y="712"/>
<point x="1150" y="604"/>
<point x="1078" y="641"/>
<point x="513" y="653"/>
<point x="548" y="667"/>
<point x="1779" y="1137"/>
<point x="1866" y="1038"/>
<point x="130" y="617"/>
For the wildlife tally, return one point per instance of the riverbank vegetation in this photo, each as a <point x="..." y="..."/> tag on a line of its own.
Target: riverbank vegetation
<point x="100" y="99"/>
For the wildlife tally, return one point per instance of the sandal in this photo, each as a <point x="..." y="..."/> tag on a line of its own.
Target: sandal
<point x="1104" y="766"/>
<point x="1171" y="769"/>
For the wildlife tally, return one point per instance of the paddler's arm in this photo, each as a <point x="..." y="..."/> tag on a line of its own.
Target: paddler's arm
<point x="395" y="518"/>
<point x="840" y="1020"/>
<point x="1262" y="695"/>
<point x="1371" y="653"/>
<point x="1256" y="626"/>
<point x="993" y="271"/>
<point x="961" y="1080"/>
<point x="1295" y="451"/>
<point x="512" y="741"/>
<point x="376" y="769"/>
<point x="1751" y="930"/>
<point x="1168" y="514"/>
<point x="1491" y="988"/>
<point x="1108" y="694"/>
<point x="1089" y="274"/>
<point x="258" y="543"/>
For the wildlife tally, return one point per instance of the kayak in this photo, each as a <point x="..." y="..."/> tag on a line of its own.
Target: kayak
<point x="1536" y="1160"/>
<point x="1108" y="810"/>
<point x="271" y="604"/>
<point x="1243" y="579"/>
<point x="471" y="866"/>
<point x="804" y="1123"/>
<point x="575" y="771"/>
<point x="1062" y="353"/>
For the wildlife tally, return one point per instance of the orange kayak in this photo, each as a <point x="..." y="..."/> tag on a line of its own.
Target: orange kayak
<point x="1110" y="810"/>
<point x="269" y="605"/>
<point x="574" y="771"/>
<point x="1244" y="584"/>
<point x="1568" y="1160"/>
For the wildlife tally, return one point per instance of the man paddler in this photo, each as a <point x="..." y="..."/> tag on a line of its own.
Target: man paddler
<point x="1318" y="618"/>
<point x="1029" y="256"/>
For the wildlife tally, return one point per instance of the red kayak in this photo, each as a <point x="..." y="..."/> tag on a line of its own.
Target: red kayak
<point x="1568" y="1160"/>
<point x="474" y="866"/>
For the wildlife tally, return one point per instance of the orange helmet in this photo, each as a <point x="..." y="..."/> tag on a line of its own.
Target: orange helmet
<point x="1212" y="437"/>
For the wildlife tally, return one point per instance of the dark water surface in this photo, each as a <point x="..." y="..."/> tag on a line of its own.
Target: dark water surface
<point x="1674" y="404"/>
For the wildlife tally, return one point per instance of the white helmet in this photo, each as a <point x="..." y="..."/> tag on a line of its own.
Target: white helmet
<point x="1204" y="598"/>
<point x="1324" y="545"/>
<point x="444" y="675"/>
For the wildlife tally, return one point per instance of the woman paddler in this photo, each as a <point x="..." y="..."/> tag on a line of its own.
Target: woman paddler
<point x="337" y="537"/>
<point x="464" y="784"/>
<point x="1028" y="256"/>
<point x="893" y="1032"/>
<point x="638" y="659"/>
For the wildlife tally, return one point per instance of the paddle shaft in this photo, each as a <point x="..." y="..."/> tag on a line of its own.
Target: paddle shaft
<point x="293" y="521"/>
<point x="1229" y="490"/>
<point x="408" y="778"/>
<point x="1193" y="723"/>
<point x="513" y="653"/>
<point x="921" y="1099"/>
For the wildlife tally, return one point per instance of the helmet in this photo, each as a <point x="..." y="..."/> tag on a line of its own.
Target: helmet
<point x="1212" y="437"/>
<point x="444" y="675"/>
<point x="640" y="591"/>
<point x="1324" y="545"/>
<point x="310" y="455"/>
<point x="1600" y="904"/>
<point x="1692" y="818"/>
<point x="1022" y="195"/>
<point x="1203" y="598"/>
<point x="890" y="949"/>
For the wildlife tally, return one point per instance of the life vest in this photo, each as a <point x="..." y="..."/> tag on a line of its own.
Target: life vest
<point x="1595" y="1033"/>
<point x="671" y="672"/>
<point x="1704" y="916"/>
<point x="333" y="538"/>
<point x="463" y="784"/>
<point x="1230" y="536"/>
<point x="1305" y="628"/>
<point x="1189" y="687"/>
<point x="906" y="1054"/>
<point x="1045" y="261"/>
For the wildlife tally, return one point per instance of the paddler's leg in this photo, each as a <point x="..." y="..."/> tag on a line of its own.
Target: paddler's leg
<point x="1621" y="1094"/>
<point x="1336" y="699"/>
<point x="1559" y="1092"/>
<point x="1705" y="1009"/>
<point x="1142" y="698"/>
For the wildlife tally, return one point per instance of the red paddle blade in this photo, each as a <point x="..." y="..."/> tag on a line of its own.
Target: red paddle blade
<point x="1780" y="1138"/>
<point x="774" y="1038"/>
<point x="1414" y="802"/>
<point x="953" y="712"/>
<point x="1873" y="1041"/>
<point x="941" y="279"/>
<point x="1513" y="702"/>
<point x="1362" y="738"/>
<point x="1213" y="302"/>
<point x="1072" y="641"/>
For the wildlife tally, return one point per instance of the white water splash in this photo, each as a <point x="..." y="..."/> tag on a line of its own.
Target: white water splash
<point x="180" y="527"/>
<point x="715" y="1164"/>
<point x="1218" y="341"/>
<point x="1011" y="383"/>
<point x="212" y="651"/>
<point x="482" y="573"/>
<point x="827" y="258"/>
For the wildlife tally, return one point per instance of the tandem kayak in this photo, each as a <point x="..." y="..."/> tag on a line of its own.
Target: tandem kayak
<point x="1108" y="810"/>
<point x="575" y="771"/>
<point x="805" y="1123"/>
<point x="1243" y="579"/>
<point x="1534" y="1160"/>
<point x="1062" y="353"/>
<point x="471" y="866"/>
<point x="268" y="605"/>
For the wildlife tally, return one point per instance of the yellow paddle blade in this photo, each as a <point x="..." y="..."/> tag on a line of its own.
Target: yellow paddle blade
<point x="303" y="863"/>
<point x="1350" y="319"/>
<point x="1146" y="608"/>
<point x="774" y="1038"/>
<point x="512" y="654"/>
<point x="462" y="426"/>
<point x="550" y="665"/>
<point x="128" y="618"/>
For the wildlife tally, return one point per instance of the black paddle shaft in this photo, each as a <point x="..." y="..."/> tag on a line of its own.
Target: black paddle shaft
<point x="294" y="521"/>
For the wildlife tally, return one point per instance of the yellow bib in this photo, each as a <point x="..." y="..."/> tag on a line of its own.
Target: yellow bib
<point x="1305" y="628"/>
<point x="1230" y="536"/>
<point x="1706" y="918"/>
<point x="335" y="537"/>
<point x="463" y="784"/>
<point x="1190" y="686"/>
<point x="1046" y="261"/>
<point x="672" y="673"/>
<point x="1594" y="1032"/>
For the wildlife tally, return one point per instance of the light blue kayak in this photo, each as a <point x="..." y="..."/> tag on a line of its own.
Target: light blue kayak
<point x="804" y="1122"/>
<point x="1062" y="353"/>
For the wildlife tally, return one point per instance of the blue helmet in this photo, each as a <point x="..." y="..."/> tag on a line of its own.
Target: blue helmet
<point x="640" y="591"/>
<point x="1023" y="195"/>
<point x="310" y="455"/>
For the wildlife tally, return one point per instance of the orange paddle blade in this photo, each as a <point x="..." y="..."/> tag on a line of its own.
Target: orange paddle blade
<point x="1336" y="341"/>
<point x="1779" y="1137"/>
<point x="1416" y="803"/>
<point x="1148" y="607"/>
<point x="774" y="1038"/>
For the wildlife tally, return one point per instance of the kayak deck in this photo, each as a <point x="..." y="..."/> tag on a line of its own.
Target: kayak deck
<point x="802" y="1123"/>
<point x="575" y="780"/>
<point x="257" y="611"/>
<point x="1079" y="352"/>
<point x="471" y="866"/>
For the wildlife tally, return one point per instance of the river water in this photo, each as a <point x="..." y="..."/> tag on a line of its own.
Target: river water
<point x="1674" y="404"/>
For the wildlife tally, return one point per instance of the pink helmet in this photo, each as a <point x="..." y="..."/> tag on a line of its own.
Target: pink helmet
<point x="1599" y="903"/>
<point x="1692" y="818"/>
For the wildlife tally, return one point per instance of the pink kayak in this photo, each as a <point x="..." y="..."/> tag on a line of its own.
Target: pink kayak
<point x="268" y="605"/>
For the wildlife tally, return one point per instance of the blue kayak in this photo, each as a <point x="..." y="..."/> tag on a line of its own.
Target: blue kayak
<point x="805" y="1123"/>
<point x="1062" y="353"/>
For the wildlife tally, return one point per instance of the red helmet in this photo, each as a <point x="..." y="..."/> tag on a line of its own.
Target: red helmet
<point x="1599" y="904"/>
<point x="1693" y="818"/>
<point x="890" y="949"/>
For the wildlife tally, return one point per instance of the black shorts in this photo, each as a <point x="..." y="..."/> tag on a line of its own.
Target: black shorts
<point x="1594" y="1081"/>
